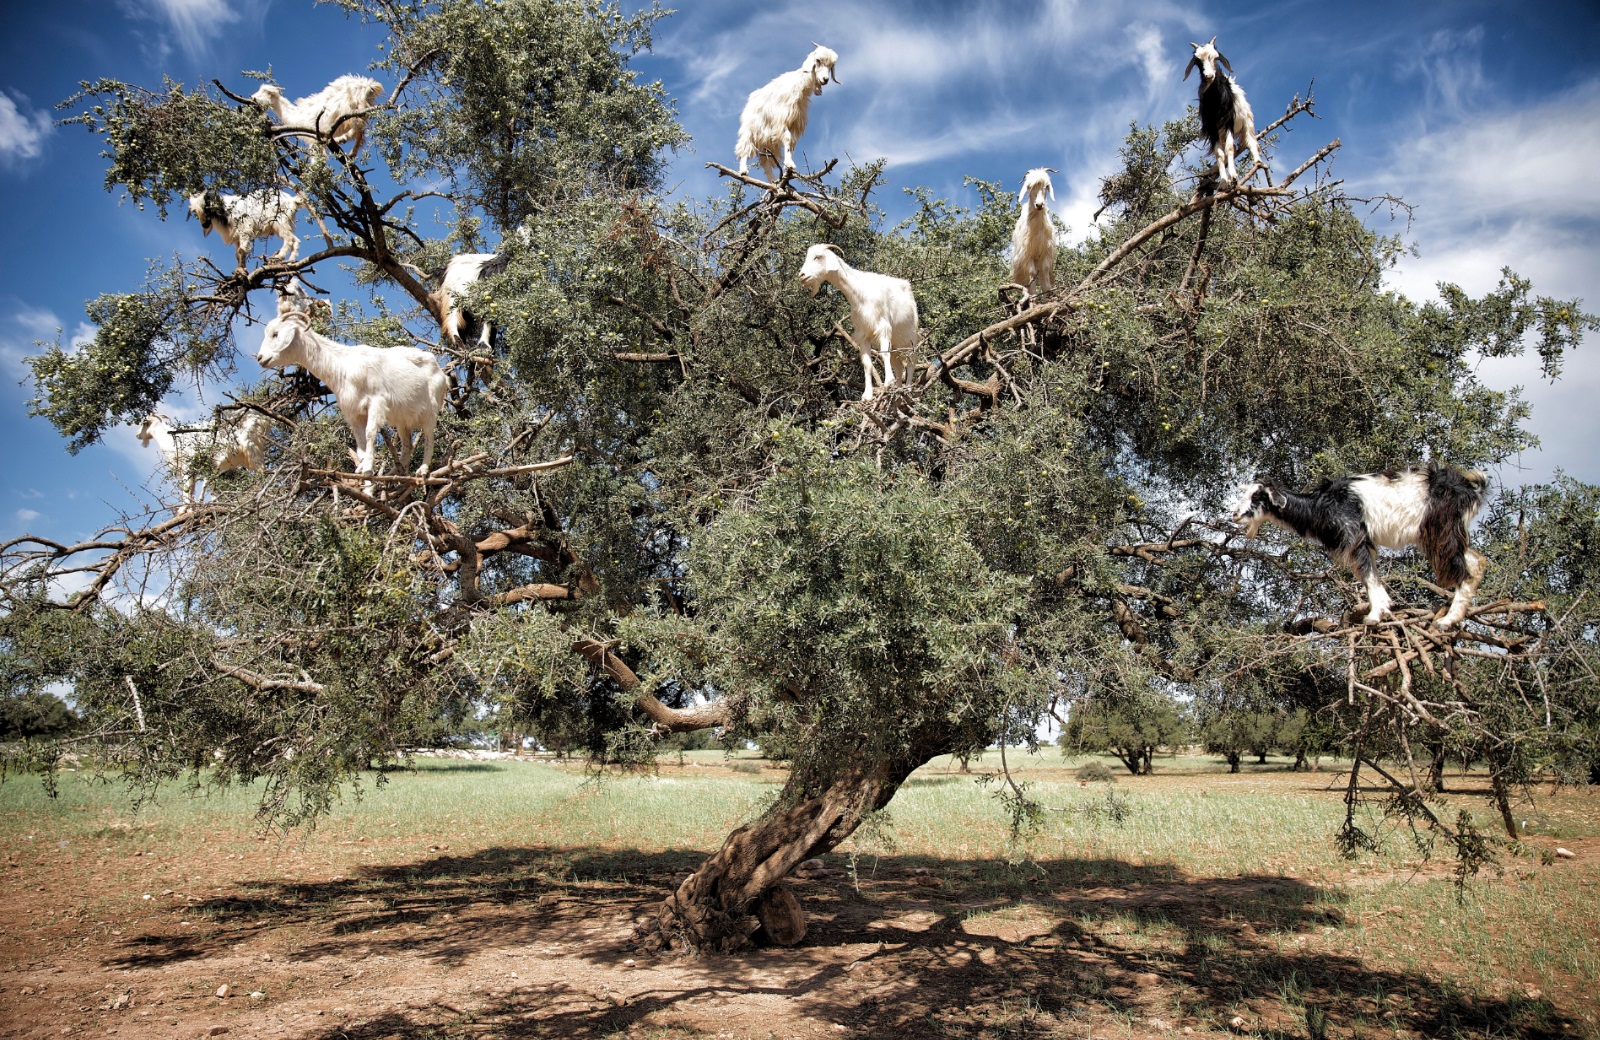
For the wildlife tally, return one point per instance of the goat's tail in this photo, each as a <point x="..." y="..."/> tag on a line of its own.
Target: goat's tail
<point x="1454" y="498"/>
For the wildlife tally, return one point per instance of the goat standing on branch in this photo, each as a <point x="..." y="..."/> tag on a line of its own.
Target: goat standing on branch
<point x="375" y="386"/>
<point x="775" y="115"/>
<point x="882" y="309"/>
<point x="1225" y="116"/>
<point x="233" y="447"/>
<point x="1353" y="516"/>
<point x="337" y="112"/>
<point x="241" y="219"/>
<point x="1033" y="241"/>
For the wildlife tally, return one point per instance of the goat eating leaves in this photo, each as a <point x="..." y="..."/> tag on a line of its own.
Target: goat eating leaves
<point x="1353" y="516"/>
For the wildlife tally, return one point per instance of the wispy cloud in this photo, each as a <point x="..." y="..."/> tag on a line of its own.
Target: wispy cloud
<point x="27" y="516"/>
<point x="194" y="24"/>
<point x="22" y="132"/>
<point x="1450" y="64"/>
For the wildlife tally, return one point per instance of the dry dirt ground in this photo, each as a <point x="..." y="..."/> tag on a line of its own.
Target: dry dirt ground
<point x="321" y="940"/>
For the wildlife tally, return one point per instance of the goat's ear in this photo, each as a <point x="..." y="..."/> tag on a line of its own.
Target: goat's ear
<point x="1190" y="67"/>
<point x="1276" y="497"/>
<point x="1225" y="62"/>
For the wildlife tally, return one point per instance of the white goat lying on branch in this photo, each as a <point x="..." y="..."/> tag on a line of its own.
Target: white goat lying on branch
<point x="882" y="309"/>
<point x="337" y="112"/>
<point x="775" y="115"/>
<point x="1033" y="240"/>
<point x="234" y="446"/>
<point x="375" y="386"/>
<point x="241" y="219"/>
<point x="1353" y="516"/>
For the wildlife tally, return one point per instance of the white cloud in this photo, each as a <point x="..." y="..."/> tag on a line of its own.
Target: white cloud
<point x="22" y="133"/>
<point x="1511" y="188"/>
<point x="27" y="516"/>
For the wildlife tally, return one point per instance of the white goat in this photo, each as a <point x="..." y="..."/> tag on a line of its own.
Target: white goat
<point x="1225" y="116"/>
<point x="1353" y="516"/>
<point x="235" y="446"/>
<point x="337" y="112"/>
<point x="1033" y="240"/>
<point x="460" y="274"/>
<point x="775" y="115"/>
<point x="375" y="386"/>
<point x="882" y="309"/>
<point x="241" y="219"/>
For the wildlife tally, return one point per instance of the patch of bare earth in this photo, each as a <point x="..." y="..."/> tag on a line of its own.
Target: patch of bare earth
<point x="356" y="940"/>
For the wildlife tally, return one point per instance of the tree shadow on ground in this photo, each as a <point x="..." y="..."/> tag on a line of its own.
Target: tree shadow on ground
<point x="923" y="947"/>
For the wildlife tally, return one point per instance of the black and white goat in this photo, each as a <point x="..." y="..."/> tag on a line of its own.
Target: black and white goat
<point x="462" y="272"/>
<point x="1225" y="117"/>
<point x="1354" y="516"/>
<point x="241" y="219"/>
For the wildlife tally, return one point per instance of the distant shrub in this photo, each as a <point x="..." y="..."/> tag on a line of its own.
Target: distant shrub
<point x="745" y="767"/>
<point x="1096" y="772"/>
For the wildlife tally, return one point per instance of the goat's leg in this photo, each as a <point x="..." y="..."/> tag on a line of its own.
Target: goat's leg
<point x="866" y="369"/>
<point x="364" y="427"/>
<point x="1225" y="168"/>
<point x="403" y="440"/>
<point x="427" y="451"/>
<point x="1363" y="563"/>
<point x="886" y="350"/>
<point x="291" y="246"/>
<point x="1477" y="566"/>
<point x="788" y="151"/>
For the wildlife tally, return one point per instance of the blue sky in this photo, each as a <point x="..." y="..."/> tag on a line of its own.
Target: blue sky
<point x="1486" y="117"/>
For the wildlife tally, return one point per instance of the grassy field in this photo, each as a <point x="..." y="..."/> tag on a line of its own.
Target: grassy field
<point x="1192" y="902"/>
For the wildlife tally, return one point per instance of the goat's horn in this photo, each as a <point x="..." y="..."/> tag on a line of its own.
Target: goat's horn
<point x="830" y="245"/>
<point x="1213" y="42"/>
<point x="1051" y="169"/>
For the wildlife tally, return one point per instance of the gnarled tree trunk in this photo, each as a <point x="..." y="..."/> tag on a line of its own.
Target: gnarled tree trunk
<point x="737" y="895"/>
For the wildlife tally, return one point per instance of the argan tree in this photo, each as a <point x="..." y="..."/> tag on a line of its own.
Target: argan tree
<point x="659" y="505"/>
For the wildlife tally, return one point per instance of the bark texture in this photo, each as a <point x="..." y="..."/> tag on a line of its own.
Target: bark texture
<point x="736" y="897"/>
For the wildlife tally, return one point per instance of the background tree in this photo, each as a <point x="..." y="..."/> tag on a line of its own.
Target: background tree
<point x="660" y="507"/>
